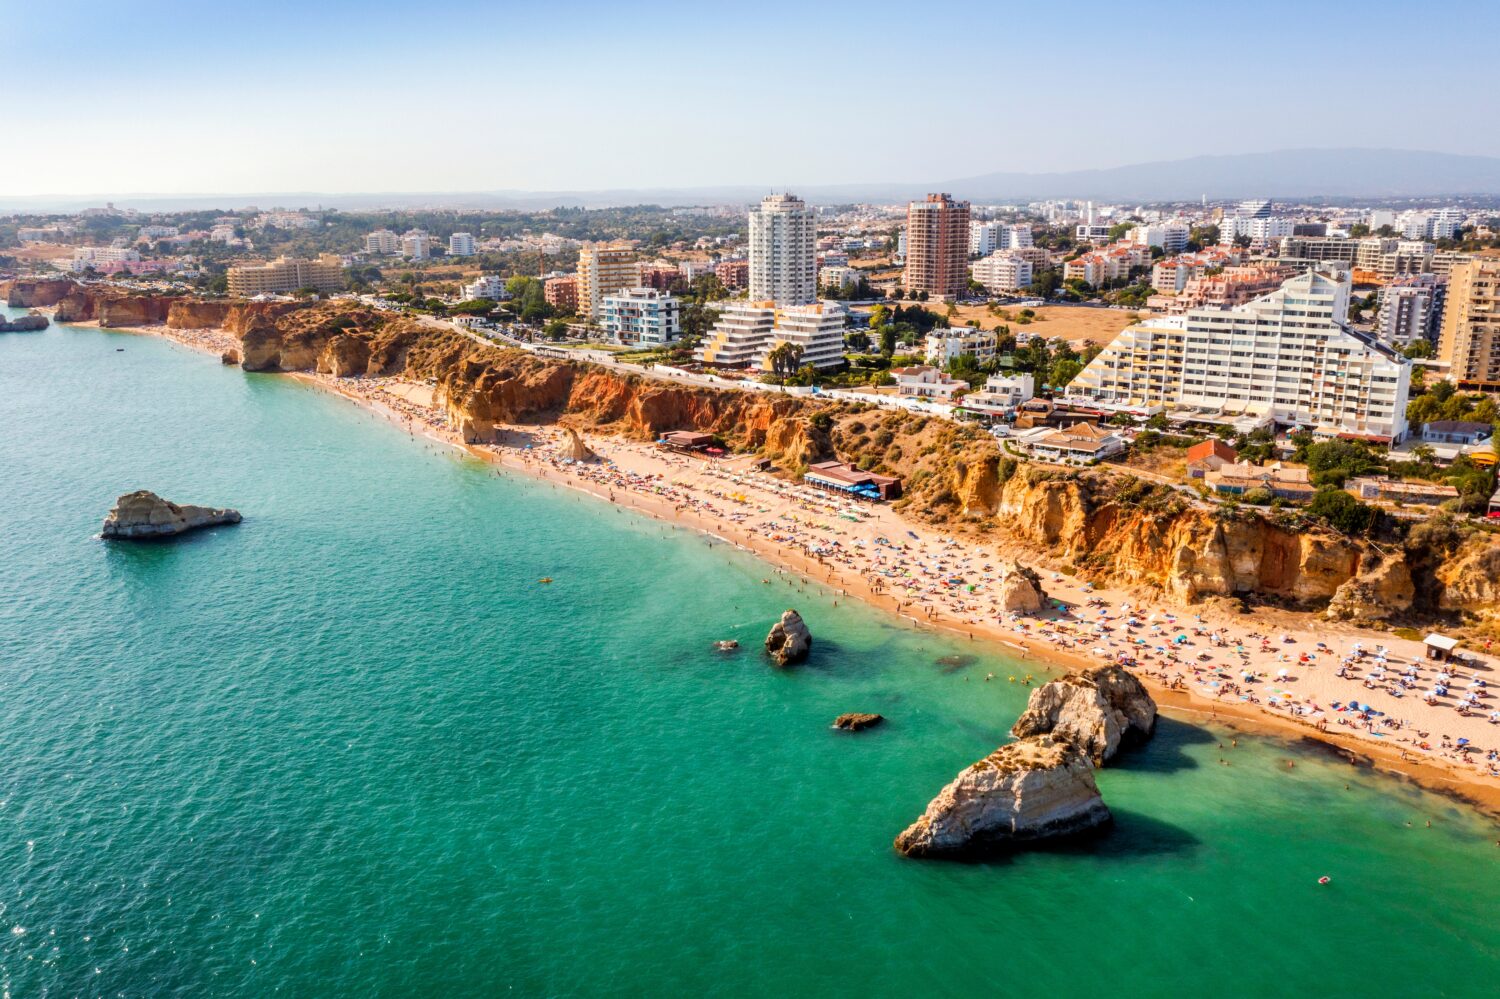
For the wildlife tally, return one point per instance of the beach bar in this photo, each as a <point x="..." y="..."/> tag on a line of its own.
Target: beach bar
<point x="842" y="477"/>
<point x="1440" y="647"/>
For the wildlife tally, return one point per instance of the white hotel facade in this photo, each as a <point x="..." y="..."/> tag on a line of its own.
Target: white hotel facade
<point x="747" y="332"/>
<point x="1287" y="357"/>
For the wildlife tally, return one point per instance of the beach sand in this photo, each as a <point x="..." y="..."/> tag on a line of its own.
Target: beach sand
<point x="1283" y="681"/>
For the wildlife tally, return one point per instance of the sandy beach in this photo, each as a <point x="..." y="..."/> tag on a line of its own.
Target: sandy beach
<point x="1372" y="695"/>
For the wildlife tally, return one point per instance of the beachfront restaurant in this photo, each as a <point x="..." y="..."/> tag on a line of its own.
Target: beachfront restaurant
<point x="842" y="477"/>
<point x="690" y="441"/>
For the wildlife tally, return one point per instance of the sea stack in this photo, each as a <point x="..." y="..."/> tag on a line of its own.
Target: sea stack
<point x="27" y="323"/>
<point x="789" y="640"/>
<point x="143" y="515"/>
<point x="1036" y="789"/>
<point x="1100" y="710"/>
<point x="856" y="721"/>
<point x="1020" y="589"/>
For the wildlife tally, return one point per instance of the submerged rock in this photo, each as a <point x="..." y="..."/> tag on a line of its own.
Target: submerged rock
<point x="854" y="721"/>
<point x="143" y="514"/>
<point x="789" y="640"/>
<point x="1039" y="788"/>
<point x="727" y="644"/>
<point x="1020" y="589"/>
<point x="1100" y="710"/>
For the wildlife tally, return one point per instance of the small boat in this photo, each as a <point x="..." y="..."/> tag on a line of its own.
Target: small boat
<point x="545" y="579"/>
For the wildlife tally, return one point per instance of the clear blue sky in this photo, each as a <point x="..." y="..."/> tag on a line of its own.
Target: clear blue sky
<point x="444" y="95"/>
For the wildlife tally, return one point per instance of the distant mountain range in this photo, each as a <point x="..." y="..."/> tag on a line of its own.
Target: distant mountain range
<point x="1291" y="174"/>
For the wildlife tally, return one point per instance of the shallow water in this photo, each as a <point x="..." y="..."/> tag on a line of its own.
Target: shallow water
<point x="352" y="746"/>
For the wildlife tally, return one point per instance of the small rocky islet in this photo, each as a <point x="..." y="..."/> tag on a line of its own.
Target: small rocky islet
<point x="143" y="515"/>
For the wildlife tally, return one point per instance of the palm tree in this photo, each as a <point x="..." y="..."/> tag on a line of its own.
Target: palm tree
<point x="784" y="358"/>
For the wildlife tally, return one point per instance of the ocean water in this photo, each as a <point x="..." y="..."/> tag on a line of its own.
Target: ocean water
<point x="352" y="746"/>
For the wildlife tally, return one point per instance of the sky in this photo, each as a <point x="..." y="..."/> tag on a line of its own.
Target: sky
<point x="442" y="95"/>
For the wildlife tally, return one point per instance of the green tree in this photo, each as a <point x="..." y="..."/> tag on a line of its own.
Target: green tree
<point x="1341" y="511"/>
<point x="1064" y="370"/>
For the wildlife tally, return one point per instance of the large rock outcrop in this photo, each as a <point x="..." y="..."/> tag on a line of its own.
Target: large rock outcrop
<point x="1383" y="587"/>
<point x="1039" y="788"/>
<point x="1100" y="710"/>
<point x="145" y="515"/>
<point x="1020" y="589"/>
<point x="24" y="324"/>
<point x="789" y="641"/>
<point x="857" y="721"/>
<point x="42" y="293"/>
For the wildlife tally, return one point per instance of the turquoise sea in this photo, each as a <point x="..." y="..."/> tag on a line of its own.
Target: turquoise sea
<point x="352" y="747"/>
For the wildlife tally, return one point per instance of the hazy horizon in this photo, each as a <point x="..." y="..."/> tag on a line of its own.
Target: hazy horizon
<point x="471" y="97"/>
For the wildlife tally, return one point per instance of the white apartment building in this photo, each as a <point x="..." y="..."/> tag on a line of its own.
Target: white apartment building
<point x="642" y="316"/>
<point x="987" y="237"/>
<point x="1112" y="263"/>
<point x="1411" y="308"/>
<point x="88" y="256"/>
<point x="746" y="333"/>
<point x="1444" y="223"/>
<point x="1172" y="237"/>
<point x="382" y="241"/>
<point x="1287" y="356"/>
<point x="783" y="251"/>
<point x="838" y="277"/>
<point x="489" y="286"/>
<point x="414" y="244"/>
<point x="1001" y="394"/>
<point x="1170" y="276"/>
<point x="157" y="231"/>
<point x="926" y="382"/>
<point x="1256" y="230"/>
<point x="461" y="244"/>
<point x="947" y="345"/>
<point x="1091" y="232"/>
<point x="1003" y="271"/>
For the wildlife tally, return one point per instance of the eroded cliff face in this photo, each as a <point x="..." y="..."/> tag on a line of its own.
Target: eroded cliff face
<point x="76" y="303"/>
<point x="1116" y="530"/>
<point x="44" y="293"/>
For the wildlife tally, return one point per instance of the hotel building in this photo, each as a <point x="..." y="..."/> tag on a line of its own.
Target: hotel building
<point x="643" y="316"/>
<point x="1470" y="341"/>
<point x="937" y="247"/>
<point x="286" y="274"/>
<point x="604" y="270"/>
<point x="1287" y="356"/>
<point x="382" y="241"/>
<point x="947" y="345"/>
<point x="783" y="252"/>
<point x="1411" y="308"/>
<point x="747" y="332"/>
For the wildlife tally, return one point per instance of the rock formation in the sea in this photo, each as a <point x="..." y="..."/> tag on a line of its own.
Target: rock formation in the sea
<point x="1100" y="710"/>
<point x="230" y="356"/>
<point x="789" y="640"/>
<point x="855" y="721"/>
<point x="143" y="514"/>
<point x="575" y="448"/>
<point x="24" y="324"/>
<point x="1040" y="788"/>
<point x="1020" y="589"/>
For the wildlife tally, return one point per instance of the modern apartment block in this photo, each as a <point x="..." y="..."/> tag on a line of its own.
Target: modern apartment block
<point x="1411" y="308"/>
<point x="561" y="293"/>
<point x="642" y="316"/>
<point x="382" y="241"/>
<point x="946" y="345"/>
<point x="287" y="274"/>
<point x="1470" y="340"/>
<point x="1286" y="357"/>
<point x="747" y="332"/>
<point x="1003" y="272"/>
<point x="783" y="251"/>
<point x="1171" y="275"/>
<point x="1223" y="290"/>
<point x="1172" y="237"/>
<point x="461" y="244"/>
<point x="733" y="274"/>
<point x="987" y="237"/>
<point x="937" y="247"/>
<point x="414" y="244"/>
<point x="604" y="270"/>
